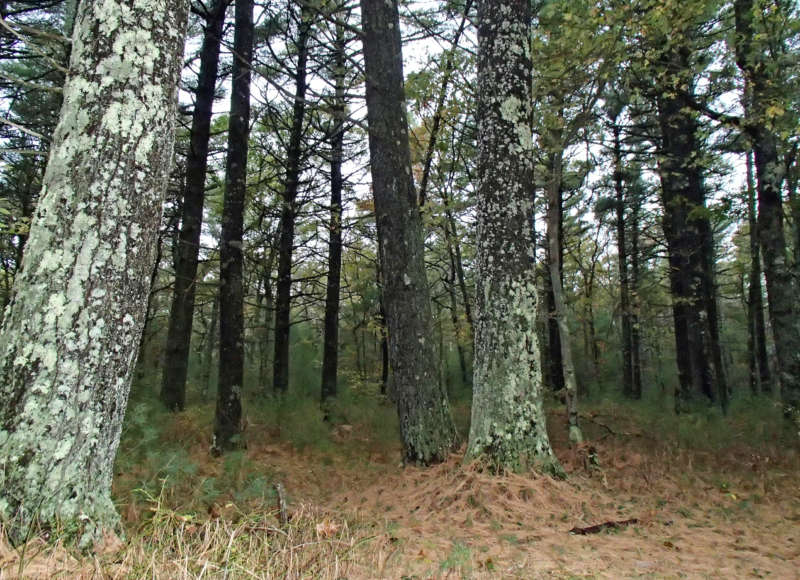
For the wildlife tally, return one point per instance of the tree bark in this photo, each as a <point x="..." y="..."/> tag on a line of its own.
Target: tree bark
<point x="294" y="154"/>
<point x="426" y="425"/>
<point x="179" y="332"/>
<point x="330" y="354"/>
<point x="687" y="229"/>
<point x="556" y="247"/>
<point x="70" y="337"/>
<point x="781" y="288"/>
<point x="228" y="416"/>
<point x="508" y="427"/>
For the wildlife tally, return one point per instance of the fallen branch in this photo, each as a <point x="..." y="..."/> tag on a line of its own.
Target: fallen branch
<point x="596" y="529"/>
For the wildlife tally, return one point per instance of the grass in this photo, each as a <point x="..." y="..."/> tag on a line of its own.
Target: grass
<point x="356" y="514"/>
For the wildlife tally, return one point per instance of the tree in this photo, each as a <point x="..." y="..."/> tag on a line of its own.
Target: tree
<point x="330" y="354"/>
<point x="179" y="333"/>
<point x="70" y="339"/>
<point x="228" y="416"/>
<point x="426" y="426"/>
<point x="508" y="423"/>
<point x="763" y="60"/>
<point x="294" y="157"/>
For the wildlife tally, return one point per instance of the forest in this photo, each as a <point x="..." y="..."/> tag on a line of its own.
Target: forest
<point x="399" y="288"/>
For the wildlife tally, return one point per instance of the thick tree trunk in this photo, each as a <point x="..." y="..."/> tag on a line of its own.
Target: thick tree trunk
<point x="690" y="244"/>
<point x="179" y="333"/>
<point x="70" y="338"/>
<point x="426" y="426"/>
<point x="228" y="417"/>
<point x="330" y="354"/>
<point x="781" y="288"/>
<point x="508" y="427"/>
<point x="294" y="154"/>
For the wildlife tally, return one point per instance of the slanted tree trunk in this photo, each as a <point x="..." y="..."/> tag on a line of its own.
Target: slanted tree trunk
<point x="228" y="416"/>
<point x="330" y="353"/>
<point x="555" y="245"/>
<point x="781" y="288"/>
<point x="294" y="154"/>
<point x="508" y="427"/>
<point x="69" y="340"/>
<point x="179" y="332"/>
<point x="426" y="425"/>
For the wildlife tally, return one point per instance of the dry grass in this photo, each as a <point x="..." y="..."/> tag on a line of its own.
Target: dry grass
<point x="728" y="513"/>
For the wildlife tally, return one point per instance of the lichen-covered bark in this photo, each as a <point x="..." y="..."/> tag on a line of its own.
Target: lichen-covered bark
<point x="508" y="422"/>
<point x="71" y="333"/>
<point x="426" y="426"/>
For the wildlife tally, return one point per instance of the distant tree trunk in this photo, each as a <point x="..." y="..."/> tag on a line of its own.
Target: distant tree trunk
<point x="228" y="417"/>
<point x="757" y="335"/>
<point x="436" y="122"/>
<point x="208" y="346"/>
<point x="687" y="229"/>
<point x="781" y="288"/>
<point x="622" y="253"/>
<point x="555" y="364"/>
<point x="294" y="154"/>
<point x="330" y="354"/>
<point x="508" y="427"/>
<point x="179" y="333"/>
<point x="70" y="337"/>
<point x="426" y="426"/>
<point x="268" y="307"/>
<point x="635" y="305"/>
<point x="555" y="245"/>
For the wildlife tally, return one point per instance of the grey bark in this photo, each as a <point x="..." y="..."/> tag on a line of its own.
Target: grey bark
<point x="70" y="339"/>
<point x="426" y="425"/>
<point x="508" y="427"/>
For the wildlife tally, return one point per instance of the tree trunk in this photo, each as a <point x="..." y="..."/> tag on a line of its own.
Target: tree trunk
<point x="179" y="333"/>
<point x="555" y="245"/>
<point x="69" y="340"/>
<point x="228" y="417"/>
<point x="622" y="260"/>
<point x="690" y="244"/>
<point x="508" y="427"/>
<point x="427" y="429"/>
<point x="781" y="288"/>
<point x="330" y="355"/>
<point x="283" y="299"/>
<point x="208" y="347"/>
<point x="757" y="343"/>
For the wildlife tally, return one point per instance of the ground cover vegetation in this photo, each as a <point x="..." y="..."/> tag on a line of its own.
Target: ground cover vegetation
<point x="427" y="289"/>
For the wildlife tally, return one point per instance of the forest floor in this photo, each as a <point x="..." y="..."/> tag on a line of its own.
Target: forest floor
<point x="729" y="510"/>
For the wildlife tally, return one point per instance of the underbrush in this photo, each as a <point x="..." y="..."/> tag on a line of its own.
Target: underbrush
<point x="354" y="512"/>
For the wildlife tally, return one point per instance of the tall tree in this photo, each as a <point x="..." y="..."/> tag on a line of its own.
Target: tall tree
<point x="762" y="59"/>
<point x="508" y="423"/>
<point x="426" y="425"/>
<point x="70" y="339"/>
<point x="294" y="158"/>
<point x="330" y="354"/>
<point x="227" y="422"/>
<point x="179" y="332"/>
